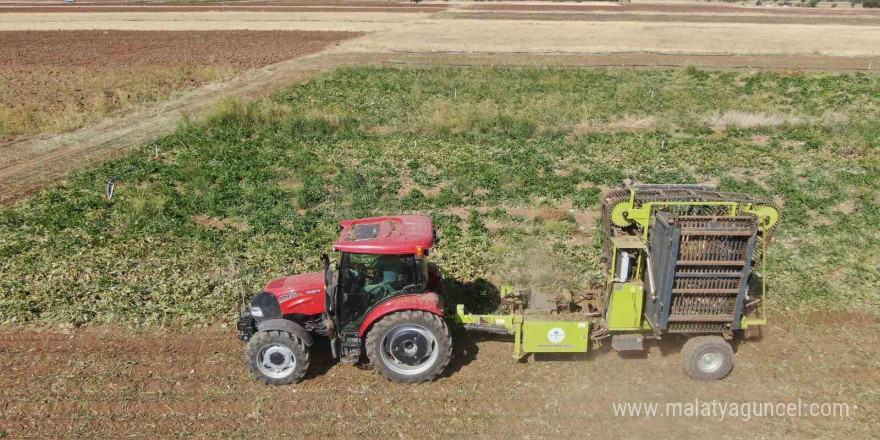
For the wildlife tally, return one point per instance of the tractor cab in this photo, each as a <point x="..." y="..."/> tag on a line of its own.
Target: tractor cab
<point x="380" y="259"/>
<point x="380" y="298"/>
<point x="367" y="279"/>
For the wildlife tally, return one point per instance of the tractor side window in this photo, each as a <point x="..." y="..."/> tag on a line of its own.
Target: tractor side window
<point x="369" y="279"/>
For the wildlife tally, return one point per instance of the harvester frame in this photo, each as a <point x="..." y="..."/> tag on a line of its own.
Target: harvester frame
<point x="706" y="296"/>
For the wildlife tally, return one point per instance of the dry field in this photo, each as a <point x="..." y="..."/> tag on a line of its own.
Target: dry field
<point x="676" y="37"/>
<point x="59" y="80"/>
<point x="147" y="66"/>
<point x="109" y="383"/>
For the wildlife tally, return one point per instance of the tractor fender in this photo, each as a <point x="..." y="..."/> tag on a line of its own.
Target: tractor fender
<point x="287" y="326"/>
<point x="428" y="302"/>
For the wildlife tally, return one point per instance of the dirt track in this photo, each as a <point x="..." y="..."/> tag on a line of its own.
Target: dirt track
<point x="109" y="383"/>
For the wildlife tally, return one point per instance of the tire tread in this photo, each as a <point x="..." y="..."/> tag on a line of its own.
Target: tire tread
<point x="699" y="343"/>
<point x="434" y="323"/>
<point x="261" y="339"/>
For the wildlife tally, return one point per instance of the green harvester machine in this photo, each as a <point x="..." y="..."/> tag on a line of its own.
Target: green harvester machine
<point x="682" y="260"/>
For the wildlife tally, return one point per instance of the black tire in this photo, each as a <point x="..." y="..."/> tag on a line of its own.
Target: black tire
<point x="707" y="358"/>
<point x="290" y="354"/>
<point x="409" y="330"/>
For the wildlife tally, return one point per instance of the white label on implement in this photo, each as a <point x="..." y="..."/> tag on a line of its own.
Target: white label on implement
<point x="556" y="335"/>
<point x="499" y="321"/>
<point x="582" y="325"/>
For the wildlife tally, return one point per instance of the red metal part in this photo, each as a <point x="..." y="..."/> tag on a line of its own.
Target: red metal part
<point x="428" y="302"/>
<point x="386" y="235"/>
<point x="303" y="293"/>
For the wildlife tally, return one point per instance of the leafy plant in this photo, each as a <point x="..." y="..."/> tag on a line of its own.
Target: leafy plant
<point x="509" y="163"/>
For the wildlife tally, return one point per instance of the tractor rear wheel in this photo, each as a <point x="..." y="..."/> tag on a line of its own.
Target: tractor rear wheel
<point x="707" y="358"/>
<point x="410" y="346"/>
<point x="277" y="357"/>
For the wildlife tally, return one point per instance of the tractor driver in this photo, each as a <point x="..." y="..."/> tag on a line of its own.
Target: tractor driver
<point x="391" y="273"/>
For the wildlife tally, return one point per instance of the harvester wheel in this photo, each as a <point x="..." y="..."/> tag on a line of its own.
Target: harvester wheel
<point x="707" y="357"/>
<point x="410" y="346"/>
<point x="277" y="357"/>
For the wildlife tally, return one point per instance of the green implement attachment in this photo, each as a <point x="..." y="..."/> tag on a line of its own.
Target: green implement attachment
<point x="555" y="336"/>
<point x="680" y="259"/>
<point x="531" y="335"/>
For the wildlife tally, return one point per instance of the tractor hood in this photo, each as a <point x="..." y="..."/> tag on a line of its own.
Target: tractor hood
<point x="296" y="285"/>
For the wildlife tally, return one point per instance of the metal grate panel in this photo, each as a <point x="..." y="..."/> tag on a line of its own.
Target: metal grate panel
<point x="702" y="263"/>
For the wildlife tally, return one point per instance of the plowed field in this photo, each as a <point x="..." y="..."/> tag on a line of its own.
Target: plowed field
<point x="58" y="80"/>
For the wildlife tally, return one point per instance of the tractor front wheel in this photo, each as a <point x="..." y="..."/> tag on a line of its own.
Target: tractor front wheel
<point x="410" y="346"/>
<point x="277" y="357"/>
<point x="707" y="357"/>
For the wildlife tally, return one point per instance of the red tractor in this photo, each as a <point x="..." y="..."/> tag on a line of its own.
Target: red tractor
<point x="381" y="299"/>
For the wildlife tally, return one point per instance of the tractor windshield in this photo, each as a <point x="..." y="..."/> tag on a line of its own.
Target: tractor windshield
<point x="368" y="279"/>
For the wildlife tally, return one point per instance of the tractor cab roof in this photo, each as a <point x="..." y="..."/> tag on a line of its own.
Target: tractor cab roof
<point x="400" y="234"/>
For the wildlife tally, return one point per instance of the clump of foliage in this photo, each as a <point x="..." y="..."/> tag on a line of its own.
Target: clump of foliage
<point x="504" y="160"/>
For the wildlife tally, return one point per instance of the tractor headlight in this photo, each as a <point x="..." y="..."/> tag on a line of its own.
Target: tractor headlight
<point x="256" y="312"/>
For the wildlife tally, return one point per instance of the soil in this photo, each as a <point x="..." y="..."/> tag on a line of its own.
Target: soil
<point x="195" y="19"/>
<point x="234" y="3"/>
<point x="647" y="18"/>
<point x="229" y="8"/>
<point x="113" y="50"/>
<point x="108" y="67"/>
<point x="536" y="36"/>
<point x="680" y="8"/>
<point x="104" y="382"/>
